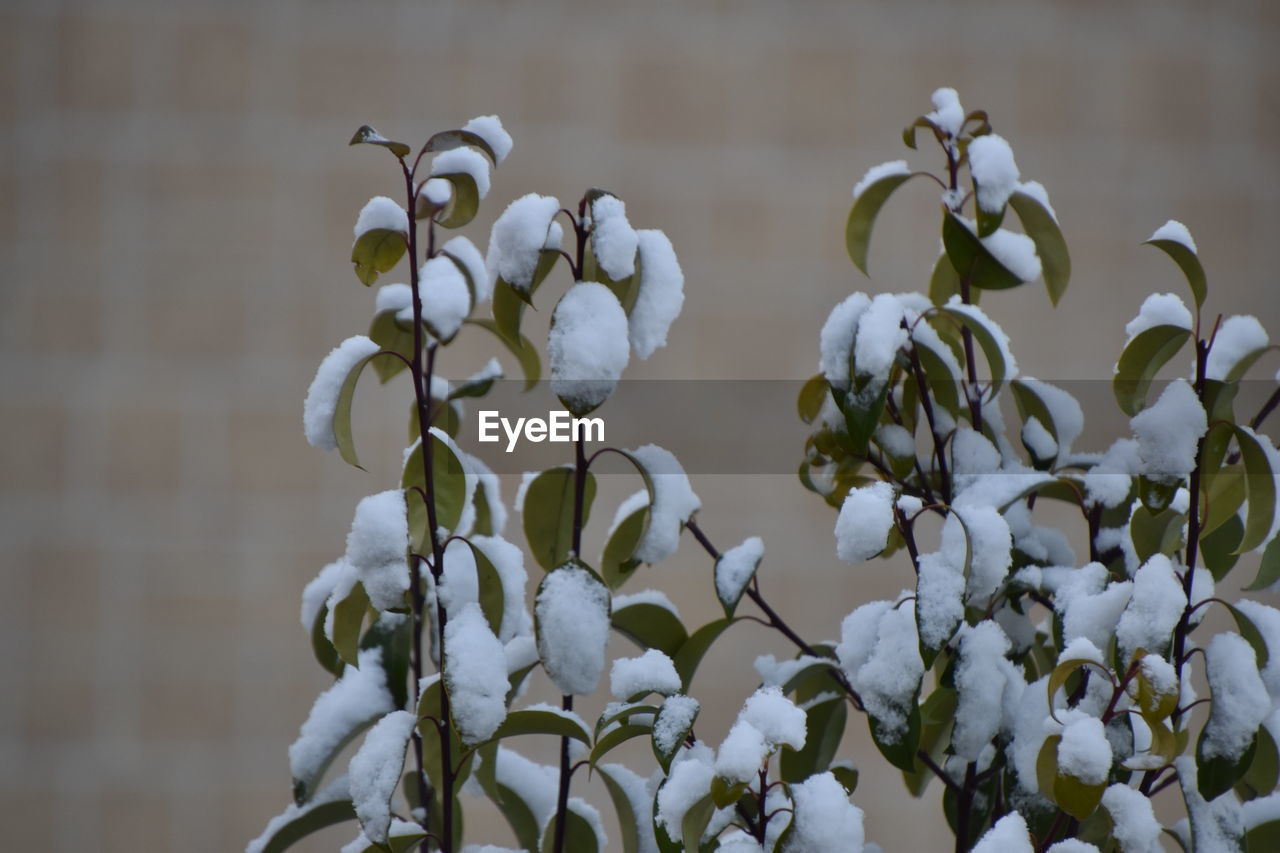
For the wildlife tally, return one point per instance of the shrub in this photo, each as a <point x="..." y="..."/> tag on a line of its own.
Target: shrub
<point x="1051" y="696"/>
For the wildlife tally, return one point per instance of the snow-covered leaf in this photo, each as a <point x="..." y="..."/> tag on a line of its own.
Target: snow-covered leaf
<point x="1139" y="362"/>
<point x="633" y="805"/>
<point x="734" y="571"/>
<point x="571" y="622"/>
<point x="824" y="726"/>
<point x="869" y="197"/>
<point x="972" y="259"/>
<point x="447" y="140"/>
<point x="548" y="514"/>
<point x="326" y="808"/>
<point x="1042" y="227"/>
<point x="671" y="728"/>
<point x="1176" y="243"/>
<point x="453" y="487"/>
<point x="375" y="771"/>
<point x="991" y="338"/>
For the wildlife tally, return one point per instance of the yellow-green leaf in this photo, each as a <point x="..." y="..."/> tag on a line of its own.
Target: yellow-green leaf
<point x="376" y="251"/>
<point x="464" y="202"/>
<point x="1260" y="489"/>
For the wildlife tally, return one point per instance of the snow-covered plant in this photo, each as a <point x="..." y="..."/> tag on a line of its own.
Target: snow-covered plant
<point x="1052" y="697"/>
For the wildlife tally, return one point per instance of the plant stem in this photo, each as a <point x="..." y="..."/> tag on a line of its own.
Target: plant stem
<point x="775" y="621"/>
<point x="971" y="392"/>
<point x="422" y="374"/>
<point x="579" y="499"/>
<point x="417" y="598"/>
<point x="939" y="451"/>
<point x="964" y="805"/>
<point x="1193" y="529"/>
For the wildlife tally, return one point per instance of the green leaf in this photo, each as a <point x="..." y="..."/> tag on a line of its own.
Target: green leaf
<point x="942" y="382"/>
<point x="348" y="617"/>
<point x="909" y="132"/>
<point x="937" y="716"/>
<point x="1155" y="532"/>
<point x="308" y="820"/>
<point x="326" y="654"/>
<point x="1264" y="836"/>
<point x="628" y="820"/>
<point x="1263" y="775"/>
<point x="1027" y="399"/>
<point x="1064" y="670"/>
<point x="578" y="834"/>
<point x="525" y="352"/>
<point x="812" y="395"/>
<point x="464" y="201"/>
<point x="366" y="135"/>
<point x="1269" y="569"/>
<point x="863" y="410"/>
<point x="548" y="514"/>
<point x="650" y="626"/>
<point x="1139" y="362"/>
<point x="1189" y="262"/>
<point x="1218" y="548"/>
<point x="847" y="775"/>
<point x="1040" y="225"/>
<point x="971" y="259"/>
<point x="1075" y="797"/>
<point x="617" y="563"/>
<point x="1215" y="776"/>
<point x="1251" y="634"/>
<point x="900" y="752"/>
<point x="695" y="822"/>
<point x="391" y="336"/>
<point x="824" y="722"/>
<point x="1221" y="494"/>
<point x="857" y="232"/>
<point x="945" y="282"/>
<point x="988" y="336"/>
<point x="376" y="251"/>
<point x="392" y="633"/>
<point x="988" y="222"/>
<point x="724" y="793"/>
<point x="450" y="489"/>
<point x="665" y="753"/>
<point x="617" y="736"/>
<point x="536" y="721"/>
<point x="447" y="140"/>
<point x="693" y="649"/>
<point x="342" y="410"/>
<point x="614" y="713"/>
<point x="492" y="598"/>
<point x="1047" y="765"/>
<point x="1260" y="489"/>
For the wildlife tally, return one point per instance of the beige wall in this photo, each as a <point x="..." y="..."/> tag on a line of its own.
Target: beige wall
<point x="175" y="202"/>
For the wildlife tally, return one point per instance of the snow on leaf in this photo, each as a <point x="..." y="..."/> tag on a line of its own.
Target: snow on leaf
<point x="572" y="617"/>
<point x="866" y="517"/>
<point x="375" y="772"/>
<point x="587" y="347"/>
<point x="674" y="502"/>
<point x="322" y="397"/>
<point x="475" y="675"/>
<point x="660" y="294"/>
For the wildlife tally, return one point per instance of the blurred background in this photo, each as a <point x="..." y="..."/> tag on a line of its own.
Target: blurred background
<point x="176" y="198"/>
